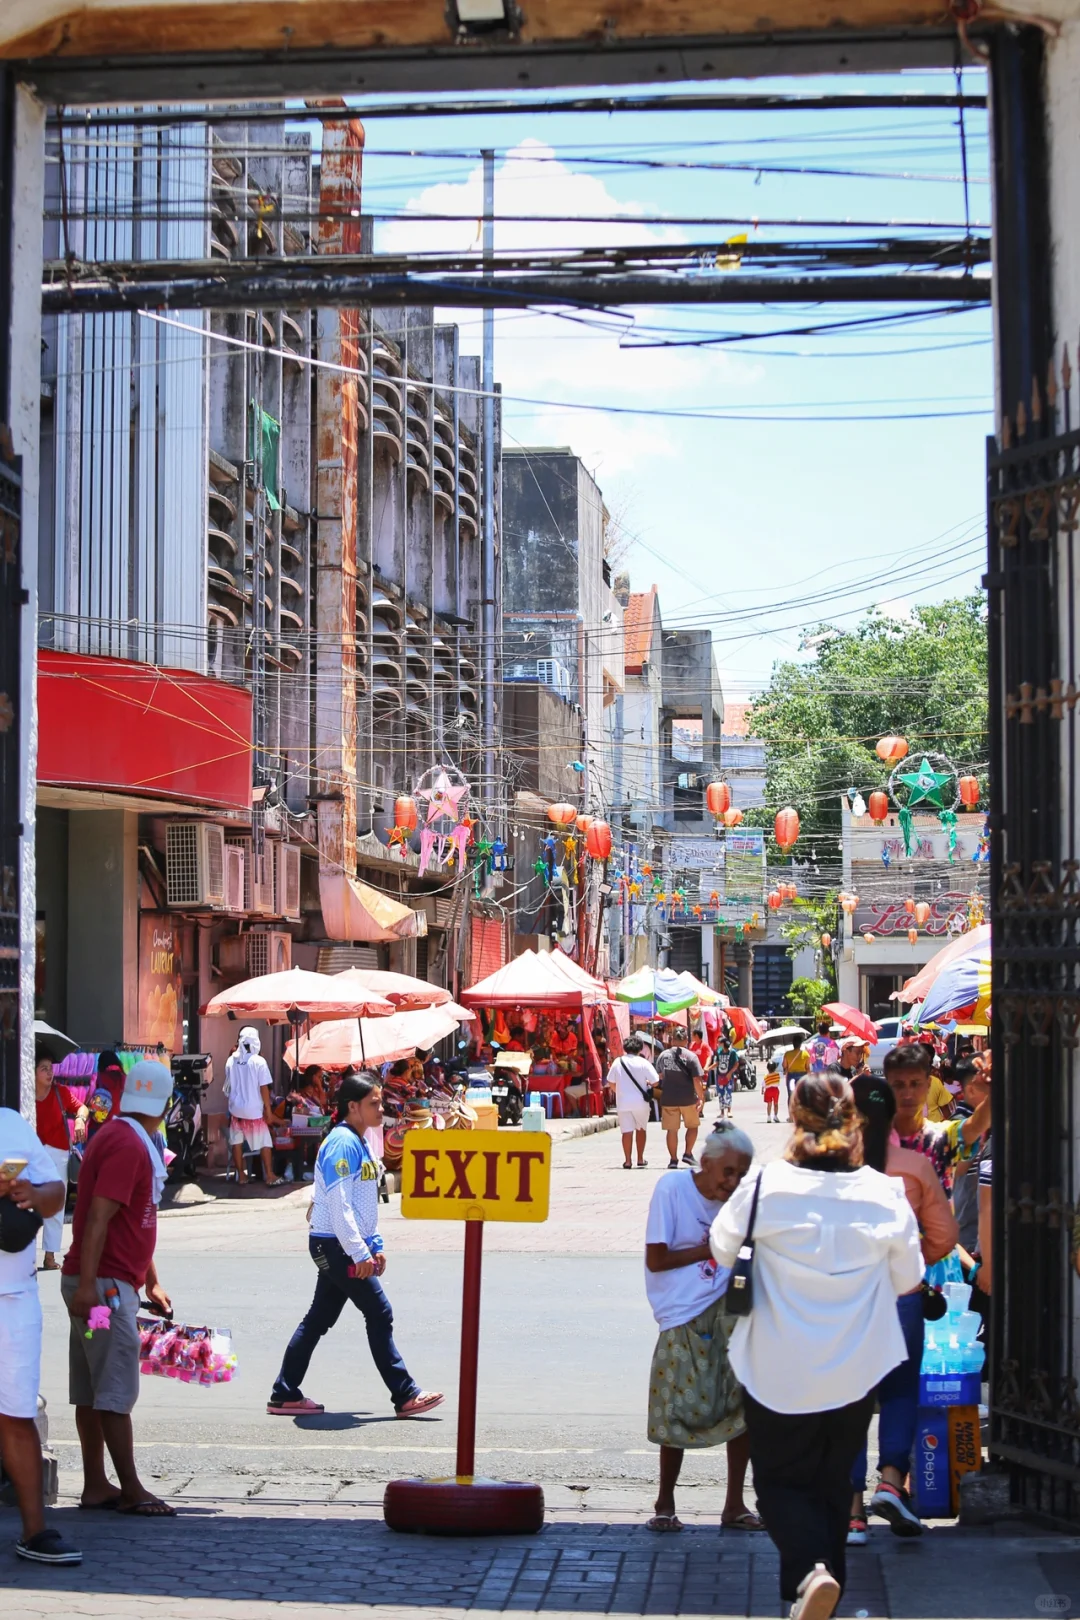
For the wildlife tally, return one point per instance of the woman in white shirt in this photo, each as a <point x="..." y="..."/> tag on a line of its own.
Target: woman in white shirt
<point x="633" y="1077"/>
<point x="834" y="1244"/>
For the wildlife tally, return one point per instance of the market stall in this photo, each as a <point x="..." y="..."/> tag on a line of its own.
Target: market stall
<point x="545" y="1004"/>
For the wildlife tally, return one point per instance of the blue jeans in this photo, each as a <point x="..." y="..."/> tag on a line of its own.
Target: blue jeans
<point x="898" y="1397"/>
<point x="333" y="1290"/>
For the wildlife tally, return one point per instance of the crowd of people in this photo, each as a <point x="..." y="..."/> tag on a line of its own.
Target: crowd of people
<point x="790" y="1300"/>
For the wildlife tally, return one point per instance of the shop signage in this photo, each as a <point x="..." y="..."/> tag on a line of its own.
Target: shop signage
<point x="696" y="855"/>
<point x="160" y="980"/>
<point x="475" y="1175"/>
<point x="887" y="918"/>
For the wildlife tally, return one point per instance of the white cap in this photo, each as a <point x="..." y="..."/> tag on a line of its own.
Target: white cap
<point x="147" y="1089"/>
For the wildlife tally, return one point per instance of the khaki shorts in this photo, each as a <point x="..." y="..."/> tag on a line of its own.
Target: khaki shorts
<point x="103" y="1371"/>
<point x="689" y="1115"/>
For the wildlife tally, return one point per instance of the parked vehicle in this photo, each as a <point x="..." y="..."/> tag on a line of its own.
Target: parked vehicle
<point x="889" y="1032"/>
<point x="507" y="1094"/>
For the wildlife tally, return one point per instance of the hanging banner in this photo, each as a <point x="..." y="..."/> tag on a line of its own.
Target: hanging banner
<point x="745" y="867"/>
<point x="160" y="981"/>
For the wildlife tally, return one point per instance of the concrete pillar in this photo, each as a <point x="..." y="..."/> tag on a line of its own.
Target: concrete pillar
<point x="103" y="927"/>
<point x="744" y="962"/>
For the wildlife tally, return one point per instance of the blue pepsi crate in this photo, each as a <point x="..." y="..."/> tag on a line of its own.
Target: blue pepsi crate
<point x="949" y="1389"/>
<point x="930" y="1481"/>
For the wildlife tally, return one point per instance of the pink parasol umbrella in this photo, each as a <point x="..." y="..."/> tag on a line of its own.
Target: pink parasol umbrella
<point x="294" y="997"/>
<point x="852" y="1021"/>
<point x="406" y="993"/>
<point x="345" y="1045"/>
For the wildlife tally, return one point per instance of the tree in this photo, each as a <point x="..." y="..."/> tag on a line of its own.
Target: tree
<point x="812" y="919"/>
<point x="923" y="677"/>
<point x="807" y="996"/>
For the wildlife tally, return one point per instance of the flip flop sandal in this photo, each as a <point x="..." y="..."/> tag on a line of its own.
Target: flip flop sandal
<point x="420" y="1404"/>
<point x="664" y="1523"/>
<point x="745" y="1521"/>
<point x="151" y="1507"/>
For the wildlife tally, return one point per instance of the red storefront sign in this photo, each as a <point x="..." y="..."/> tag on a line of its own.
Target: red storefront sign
<point x="123" y="727"/>
<point x="889" y="917"/>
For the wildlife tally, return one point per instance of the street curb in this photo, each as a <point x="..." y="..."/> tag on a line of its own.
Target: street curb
<point x="586" y="1127"/>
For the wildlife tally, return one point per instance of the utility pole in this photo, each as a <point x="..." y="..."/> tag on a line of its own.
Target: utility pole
<point x="487" y="569"/>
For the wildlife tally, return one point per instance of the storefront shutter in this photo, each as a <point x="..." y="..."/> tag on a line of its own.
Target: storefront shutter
<point x="487" y="952"/>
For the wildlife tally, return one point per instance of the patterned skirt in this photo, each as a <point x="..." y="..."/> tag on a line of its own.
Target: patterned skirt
<point x="695" y="1400"/>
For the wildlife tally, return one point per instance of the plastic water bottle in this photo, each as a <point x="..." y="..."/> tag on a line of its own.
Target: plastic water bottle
<point x="972" y="1358"/>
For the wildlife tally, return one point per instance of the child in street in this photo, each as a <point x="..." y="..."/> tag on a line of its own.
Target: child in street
<point x="772" y="1091"/>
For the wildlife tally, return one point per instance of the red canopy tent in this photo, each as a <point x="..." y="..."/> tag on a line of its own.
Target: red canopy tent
<point x="544" y="979"/>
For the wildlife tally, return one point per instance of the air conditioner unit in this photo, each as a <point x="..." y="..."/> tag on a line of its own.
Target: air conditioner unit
<point x="269" y="951"/>
<point x="258" y="875"/>
<point x="287" y="879"/>
<point x="195" y="864"/>
<point x="235" y="866"/>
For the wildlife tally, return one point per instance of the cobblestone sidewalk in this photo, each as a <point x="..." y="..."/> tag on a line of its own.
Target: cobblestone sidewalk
<point x="273" y="1560"/>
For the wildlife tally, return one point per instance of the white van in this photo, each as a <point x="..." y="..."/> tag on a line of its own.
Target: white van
<point x="889" y="1030"/>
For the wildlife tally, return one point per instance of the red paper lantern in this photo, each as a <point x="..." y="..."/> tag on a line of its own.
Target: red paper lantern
<point x="788" y="890"/>
<point x="826" y="941"/>
<point x="922" y="913"/>
<point x="562" y="814"/>
<point x="913" y="936"/>
<point x="786" y="827"/>
<point x="892" y="749"/>
<point x="717" y="798"/>
<point x="968" y="788"/>
<point x="405" y="813"/>
<point x="774" y="900"/>
<point x="598" y="840"/>
<point x="878" y="806"/>
<point x="583" y="823"/>
<point x="732" y="817"/>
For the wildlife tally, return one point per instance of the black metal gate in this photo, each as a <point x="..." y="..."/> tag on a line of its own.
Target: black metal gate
<point x="1034" y="514"/>
<point x="11" y="612"/>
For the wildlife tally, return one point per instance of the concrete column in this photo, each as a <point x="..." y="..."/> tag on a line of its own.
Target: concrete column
<point x="103" y="926"/>
<point x="744" y="962"/>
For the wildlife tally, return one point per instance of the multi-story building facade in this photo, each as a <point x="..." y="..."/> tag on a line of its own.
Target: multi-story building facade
<point x="260" y="597"/>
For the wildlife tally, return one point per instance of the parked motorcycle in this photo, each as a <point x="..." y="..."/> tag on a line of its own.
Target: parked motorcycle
<point x="745" y="1075"/>
<point x="185" y="1132"/>
<point x="507" y="1094"/>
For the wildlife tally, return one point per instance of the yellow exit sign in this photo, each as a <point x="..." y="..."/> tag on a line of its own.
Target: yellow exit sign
<point x="476" y="1175"/>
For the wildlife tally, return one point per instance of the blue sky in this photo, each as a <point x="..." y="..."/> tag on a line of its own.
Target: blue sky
<point x="737" y="516"/>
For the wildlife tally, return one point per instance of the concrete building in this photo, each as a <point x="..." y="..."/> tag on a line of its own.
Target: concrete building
<point x="874" y="954"/>
<point x="259" y="599"/>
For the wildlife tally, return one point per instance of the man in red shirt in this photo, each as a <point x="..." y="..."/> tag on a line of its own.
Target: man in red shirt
<point x="111" y="1257"/>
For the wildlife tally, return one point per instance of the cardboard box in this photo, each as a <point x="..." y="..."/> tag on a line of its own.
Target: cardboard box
<point x="949" y="1389"/>
<point x="930" y="1469"/>
<point x="965" y="1448"/>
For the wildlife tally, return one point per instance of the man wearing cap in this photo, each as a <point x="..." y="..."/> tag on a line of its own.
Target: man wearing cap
<point x="29" y="1192"/>
<point x="110" y="1259"/>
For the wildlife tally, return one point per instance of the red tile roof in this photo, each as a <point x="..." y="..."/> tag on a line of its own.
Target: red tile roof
<point x="736" y="719"/>
<point x="638" y="616"/>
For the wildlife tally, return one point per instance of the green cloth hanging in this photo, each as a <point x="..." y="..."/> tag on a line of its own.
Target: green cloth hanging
<point x="904" y="817"/>
<point x="948" y="822"/>
<point x="264" y="447"/>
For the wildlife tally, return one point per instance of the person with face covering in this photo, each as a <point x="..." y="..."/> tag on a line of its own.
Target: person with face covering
<point x="247" y="1088"/>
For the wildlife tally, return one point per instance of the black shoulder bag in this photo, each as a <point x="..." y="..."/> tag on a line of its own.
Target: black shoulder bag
<point x="739" y="1300"/>
<point x="646" y="1096"/>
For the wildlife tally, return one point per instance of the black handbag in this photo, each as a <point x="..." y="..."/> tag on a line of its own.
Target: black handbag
<point x="740" y="1288"/>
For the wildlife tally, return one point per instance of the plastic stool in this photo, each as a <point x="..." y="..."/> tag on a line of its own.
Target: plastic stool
<point x="594" y="1105"/>
<point x="555" y="1097"/>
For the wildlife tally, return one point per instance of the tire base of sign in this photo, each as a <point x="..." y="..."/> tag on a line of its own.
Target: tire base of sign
<point x="451" y="1507"/>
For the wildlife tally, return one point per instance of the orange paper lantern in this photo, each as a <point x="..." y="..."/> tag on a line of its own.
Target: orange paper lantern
<point x="909" y="907"/>
<point x="786" y="827"/>
<point x="717" y="798"/>
<point x="732" y="817"/>
<point x="968" y="788"/>
<point x="892" y="749"/>
<point x="562" y="814"/>
<point x="583" y="823"/>
<point x="878" y="806"/>
<point x="868" y="937"/>
<point x="774" y="900"/>
<point x="922" y="913"/>
<point x="405" y="813"/>
<point x="913" y="936"/>
<point x="826" y="941"/>
<point x="598" y="840"/>
<point x="848" y="902"/>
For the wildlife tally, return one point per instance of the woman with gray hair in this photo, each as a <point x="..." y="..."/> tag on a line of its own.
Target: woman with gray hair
<point x="694" y="1398"/>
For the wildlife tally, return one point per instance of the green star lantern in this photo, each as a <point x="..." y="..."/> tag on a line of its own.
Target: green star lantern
<point x="926" y="785"/>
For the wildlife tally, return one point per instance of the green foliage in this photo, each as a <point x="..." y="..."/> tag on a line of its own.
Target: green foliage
<point x="807" y="996"/>
<point x="923" y="677"/>
<point x="813" y="918"/>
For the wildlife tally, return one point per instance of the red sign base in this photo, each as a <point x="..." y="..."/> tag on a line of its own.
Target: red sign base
<point x="447" y="1507"/>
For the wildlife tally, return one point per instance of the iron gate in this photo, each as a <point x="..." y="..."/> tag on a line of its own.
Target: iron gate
<point x="1034" y="513"/>
<point x="11" y="610"/>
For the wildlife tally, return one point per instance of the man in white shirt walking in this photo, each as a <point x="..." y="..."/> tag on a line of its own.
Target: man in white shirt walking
<point x="694" y="1398"/>
<point x="633" y="1077"/>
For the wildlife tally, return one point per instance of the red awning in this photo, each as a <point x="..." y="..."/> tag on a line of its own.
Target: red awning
<point x="356" y="911"/>
<point x="123" y="727"/>
<point x="536" y="979"/>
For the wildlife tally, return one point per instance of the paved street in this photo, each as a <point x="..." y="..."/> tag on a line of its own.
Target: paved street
<point x="566" y="1342"/>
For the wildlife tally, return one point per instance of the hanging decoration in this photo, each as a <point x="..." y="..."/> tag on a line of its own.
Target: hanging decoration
<point x="498" y="856"/>
<point x="774" y="900"/>
<point x="598" y="840"/>
<point x="868" y="937"/>
<point x="982" y="848"/>
<point x="922" y="913"/>
<point x="732" y="817"/>
<point x="968" y="788"/>
<point x="848" y="903"/>
<point x="714" y="898"/>
<point x="879" y="807"/>
<point x="886" y="856"/>
<point x="717" y="798"/>
<point x="583" y="823"/>
<point x="909" y="907"/>
<point x="405" y="813"/>
<point x="858" y="806"/>
<point x="891" y="749"/>
<point x="563" y="815"/>
<point x="443" y="792"/>
<point x="826" y="941"/>
<point x="913" y="936"/>
<point x="930" y="785"/>
<point x="976" y="910"/>
<point x="786" y="828"/>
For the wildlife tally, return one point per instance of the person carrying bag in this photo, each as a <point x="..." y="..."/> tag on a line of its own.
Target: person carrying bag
<point x="633" y="1078"/>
